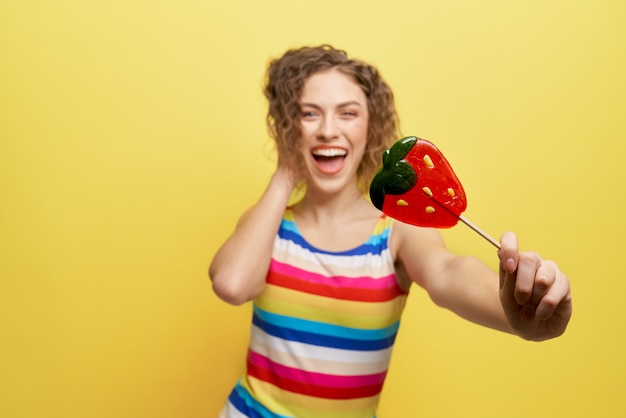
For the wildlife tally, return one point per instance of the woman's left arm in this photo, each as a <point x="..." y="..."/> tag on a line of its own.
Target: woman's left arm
<point x="531" y="298"/>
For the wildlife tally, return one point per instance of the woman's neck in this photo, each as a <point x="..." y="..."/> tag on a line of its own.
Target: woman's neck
<point x="321" y="208"/>
<point x="335" y="223"/>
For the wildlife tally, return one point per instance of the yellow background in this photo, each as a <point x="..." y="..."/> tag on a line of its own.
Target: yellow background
<point x="132" y="137"/>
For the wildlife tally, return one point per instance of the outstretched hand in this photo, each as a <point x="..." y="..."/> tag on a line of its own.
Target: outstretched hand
<point x="534" y="293"/>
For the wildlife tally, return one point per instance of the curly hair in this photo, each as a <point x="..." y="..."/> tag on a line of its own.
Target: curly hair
<point x="285" y="80"/>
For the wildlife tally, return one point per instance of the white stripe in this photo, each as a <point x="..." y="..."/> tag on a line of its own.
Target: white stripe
<point x="317" y="365"/>
<point x="229" y="411"/>
<point x="346" y="261"/>
<point x="298" y="349"/>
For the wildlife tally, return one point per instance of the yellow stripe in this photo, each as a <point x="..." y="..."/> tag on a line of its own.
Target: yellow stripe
<point x="284" y="402"/>
<point x="289" y="215"/>
<point x="365" y="315"/>
<point x="382" y="224"/>
<point x="337" y="306"/>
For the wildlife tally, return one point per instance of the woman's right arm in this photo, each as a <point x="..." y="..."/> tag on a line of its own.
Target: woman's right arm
<point x="240" y="266"/>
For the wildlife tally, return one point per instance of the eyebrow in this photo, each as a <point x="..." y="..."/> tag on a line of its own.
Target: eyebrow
<point x="344" y="104"/>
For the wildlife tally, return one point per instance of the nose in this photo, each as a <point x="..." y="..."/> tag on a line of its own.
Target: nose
<point x="328" y="129"/>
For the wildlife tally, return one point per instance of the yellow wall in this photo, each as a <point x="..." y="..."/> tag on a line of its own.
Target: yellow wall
<point x="132" y="136"/>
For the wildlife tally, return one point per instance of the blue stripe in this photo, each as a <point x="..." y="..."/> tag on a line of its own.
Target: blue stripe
<point x="289" y="225"/>
<point x="374" y="239"/>
<point x="247" y="405"/>
<point x="323" y="340"/>
<point x="362" y="249"/>
<point x="379" y="240"/>
<point x="326" y="329"/>
<point x="375" y="244"/>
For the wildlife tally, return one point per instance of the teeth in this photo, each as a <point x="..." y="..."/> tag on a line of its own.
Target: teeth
<point x="329" y="152"/>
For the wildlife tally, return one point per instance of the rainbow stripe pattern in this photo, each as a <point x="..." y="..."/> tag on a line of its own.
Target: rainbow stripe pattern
<point x="322" y="330"/>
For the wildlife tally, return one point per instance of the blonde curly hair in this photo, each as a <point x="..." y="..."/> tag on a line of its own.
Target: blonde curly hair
<point x="285" y="79"/>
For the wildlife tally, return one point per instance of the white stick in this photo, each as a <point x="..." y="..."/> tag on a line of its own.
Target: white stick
<point x="479" y="231"/>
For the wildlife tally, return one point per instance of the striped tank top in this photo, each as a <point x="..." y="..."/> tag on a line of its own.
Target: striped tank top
<point x="323" y="330"/>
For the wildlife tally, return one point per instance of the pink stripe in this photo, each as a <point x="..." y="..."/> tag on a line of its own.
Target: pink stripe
<point x="362" y="282"/>
<point x="318" y="379"/>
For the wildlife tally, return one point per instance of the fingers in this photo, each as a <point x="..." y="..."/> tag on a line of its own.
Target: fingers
<point x="531" y="281"/>
<point x="523" y="289"/>
<point x="533" y="286"/>
<point x="521" y="273"/>
<point x="535" y="294"/>
<point x="509" y="252"/>
<point x="557" y="291"/>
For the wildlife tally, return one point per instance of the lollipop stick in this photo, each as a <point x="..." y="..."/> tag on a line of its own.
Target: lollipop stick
<point x="467" y="222"/>
<point x="479" y="231"/>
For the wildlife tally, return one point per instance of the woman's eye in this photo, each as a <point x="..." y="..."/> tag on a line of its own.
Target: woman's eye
<point x="308" y="114"/>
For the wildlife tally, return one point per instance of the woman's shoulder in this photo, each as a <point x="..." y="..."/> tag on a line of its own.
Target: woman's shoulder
<point x="414" y="241"/>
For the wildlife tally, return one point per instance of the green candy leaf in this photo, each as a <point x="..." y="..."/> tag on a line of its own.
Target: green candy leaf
<point x="396" y="176"/>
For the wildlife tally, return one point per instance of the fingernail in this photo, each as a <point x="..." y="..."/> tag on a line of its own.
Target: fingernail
<point x="510" y="264"/>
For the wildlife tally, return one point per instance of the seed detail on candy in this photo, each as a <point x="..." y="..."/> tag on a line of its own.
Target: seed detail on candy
<point x="417" y="185"/>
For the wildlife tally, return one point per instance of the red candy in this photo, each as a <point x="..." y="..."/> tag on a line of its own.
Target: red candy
<point x="417" y="185"/>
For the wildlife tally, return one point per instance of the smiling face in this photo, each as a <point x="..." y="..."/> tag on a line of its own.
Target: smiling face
<point x="334" y="121"/>
<point x="286" y="78"/>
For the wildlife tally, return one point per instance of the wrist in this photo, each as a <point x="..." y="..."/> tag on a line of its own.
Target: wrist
<point x="284" y="180"/>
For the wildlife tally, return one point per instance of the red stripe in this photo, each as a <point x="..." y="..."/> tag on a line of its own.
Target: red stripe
<point x="314" y="378"/>
<point x="313" y="390"/>
<point x="343" y="293"/>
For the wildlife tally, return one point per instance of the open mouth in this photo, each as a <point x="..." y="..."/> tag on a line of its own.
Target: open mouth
<point x="329" y="160"/>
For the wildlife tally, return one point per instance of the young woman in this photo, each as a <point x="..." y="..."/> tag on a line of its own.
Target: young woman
<point x="329" y="275"/>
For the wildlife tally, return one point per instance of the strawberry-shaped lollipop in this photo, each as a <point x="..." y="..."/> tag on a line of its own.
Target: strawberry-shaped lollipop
<point x="417" y="185"/>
